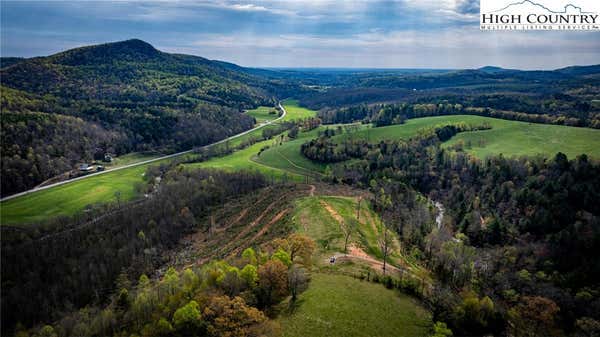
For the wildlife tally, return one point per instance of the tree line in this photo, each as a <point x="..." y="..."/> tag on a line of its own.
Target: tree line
<point x="398" y="113"/>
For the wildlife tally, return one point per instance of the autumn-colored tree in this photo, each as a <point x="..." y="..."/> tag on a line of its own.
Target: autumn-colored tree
<point x="534" y="317"/>
<point x="298" y="246"/>
<point x="231" y="317"/>
<point x="272" y="282"/>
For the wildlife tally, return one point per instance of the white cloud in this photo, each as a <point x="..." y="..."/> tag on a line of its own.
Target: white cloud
<point x="467" y="10"/>
<point x="451" y="48"/>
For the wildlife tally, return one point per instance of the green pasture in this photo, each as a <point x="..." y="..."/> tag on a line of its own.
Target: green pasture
<point x="294" y="111"/>
<point x="263" y="114"/>
<point x="288" y="157"/>
<point x="71" y="198"/>
<point x="338" y="305"/>
<point x="510" y="138"/>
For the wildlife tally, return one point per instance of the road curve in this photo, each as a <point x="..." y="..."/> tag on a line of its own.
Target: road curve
<point x="33" y="190"/>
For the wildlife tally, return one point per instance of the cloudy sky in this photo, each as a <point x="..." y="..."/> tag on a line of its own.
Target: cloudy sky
<point x="316" y="33"/>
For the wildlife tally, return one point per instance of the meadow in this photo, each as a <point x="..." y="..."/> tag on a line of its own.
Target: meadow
<point x="71" y="198"/>
<point x="338" y="305"/>
<point x="295" y="111"/>
<point x="509" y="138"/>
<point x="288" y="157"/>
<point x="131" y="158"/>
<point x="512" y="139"/>
<point x="324" y="218"/>
<point x="242" y="160"/>
<point x="263" y="114"/>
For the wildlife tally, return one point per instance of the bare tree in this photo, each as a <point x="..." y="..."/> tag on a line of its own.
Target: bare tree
<point x="358" y="208"/>
<point x="297" y="281"/>
<point x="385" y="242"/>
<point x="348" y="228"/>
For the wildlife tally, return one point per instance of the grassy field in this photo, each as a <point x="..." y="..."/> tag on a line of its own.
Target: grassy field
<point x="337" y="305"/>
<point x="262" y="114"/>
<point x="288" y="157"/>
<point x="294" y="111"/>
<point x="71" y="198"/>
<point x="312" y="218"/>
<point x="510" y="138"/>
<point x="242" y="160"/>
<point x="131" y="158"/>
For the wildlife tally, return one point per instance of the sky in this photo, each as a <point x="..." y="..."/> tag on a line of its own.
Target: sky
<point x="316" y="33"/>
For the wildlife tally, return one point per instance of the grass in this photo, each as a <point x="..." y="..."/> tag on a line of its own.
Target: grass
<point x="262" y="114"/>
<point x="242" y="160"/>
<point x="288" y="157"/>
<point x="313" y="219"/>
<point x="510" y="138"/>
<point x="337" y="305"/>
<point x="131" y="158"/>
<point x="295" y="112"/>
<point x="71" y="198"/>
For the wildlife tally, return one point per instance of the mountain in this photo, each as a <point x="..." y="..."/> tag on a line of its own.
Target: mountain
<point x="131" y="95"/>
<point x="492" y="69"/>
<point x="593" y="70"/>
<point x="9" y="61"/>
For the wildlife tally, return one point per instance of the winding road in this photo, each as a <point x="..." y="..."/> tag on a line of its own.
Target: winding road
<point x="33" y="190"/>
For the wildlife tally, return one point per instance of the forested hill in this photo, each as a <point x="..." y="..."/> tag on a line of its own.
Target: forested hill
<point x="133" y="70"/>
<point x="115" y="98"/>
